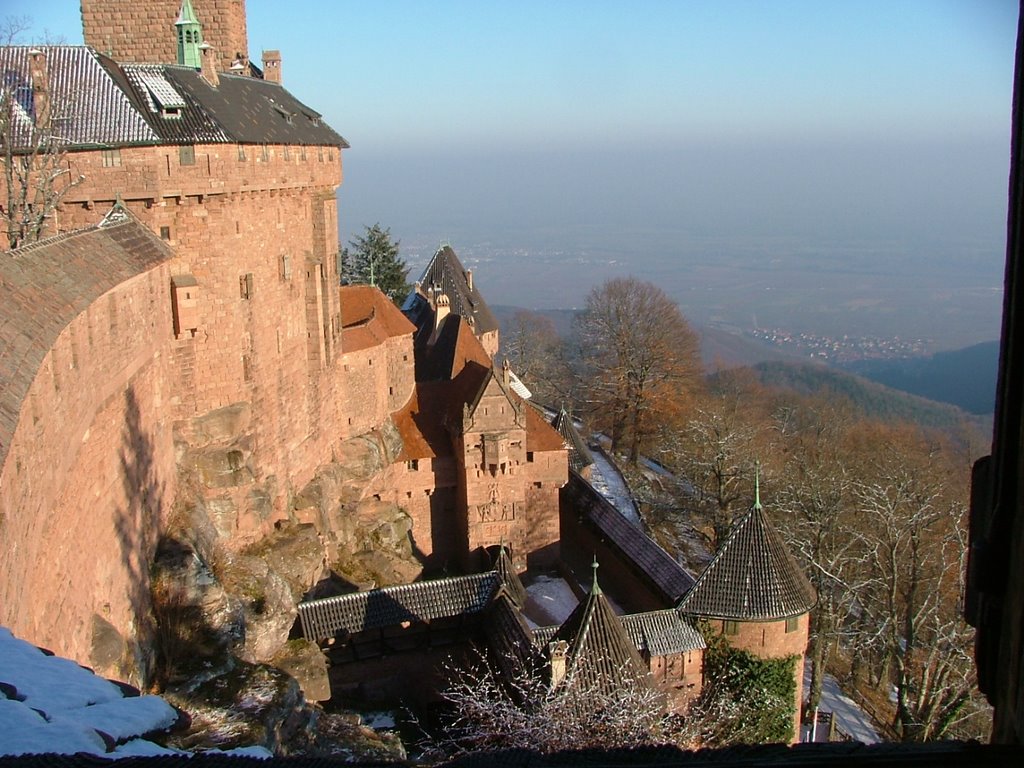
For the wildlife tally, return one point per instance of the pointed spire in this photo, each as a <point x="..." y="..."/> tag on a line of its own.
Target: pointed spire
<point x="757" y="484"/>
<point x="596" y="588"/>
<point x="190" y="36"/>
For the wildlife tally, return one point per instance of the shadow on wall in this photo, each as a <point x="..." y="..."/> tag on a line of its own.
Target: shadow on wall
<point x="136" y="525"/>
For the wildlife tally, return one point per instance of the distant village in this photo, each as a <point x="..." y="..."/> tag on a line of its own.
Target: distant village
<point x="844" y="349"/>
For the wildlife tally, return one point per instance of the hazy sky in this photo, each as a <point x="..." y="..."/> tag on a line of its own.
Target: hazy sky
<point x="662" y="132"/>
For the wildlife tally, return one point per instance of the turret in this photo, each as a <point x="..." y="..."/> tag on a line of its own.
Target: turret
<point x="190" y="36"/>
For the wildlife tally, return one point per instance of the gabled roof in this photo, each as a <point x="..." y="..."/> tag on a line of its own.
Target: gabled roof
<point x="46" y="285"/>
<point x="509" y="578"/>
<point x="97" y="102"/>
<point x="752" y="577"/>
<point x="445" y="274"/>
<point x="649" y="561"/>
<point x="579" y="454"/>
<point x="601" y="654"/>
<point x="369" y="318"/>
<point x="389" y="606"/>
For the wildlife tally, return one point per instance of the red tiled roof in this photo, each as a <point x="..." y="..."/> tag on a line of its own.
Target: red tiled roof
<point x="368" y="318"/>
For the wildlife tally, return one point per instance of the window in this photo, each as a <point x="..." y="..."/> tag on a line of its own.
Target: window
<point x="791" y="624"/>
<point x="287" y="150"/>
<point x="165" y="233"/>
<point x="302" y="152"/>
<point x="111" y="158"/>
<point x="187" y="154"/>
<point x="730" y="627"/>
<point x="264" y="153"/>
<point x="286" y="267"/>
<point x="245" y="285"/>
<point x="241" y="153"/>
<point x="413" y="465"/>
<point x="529" y="456"/>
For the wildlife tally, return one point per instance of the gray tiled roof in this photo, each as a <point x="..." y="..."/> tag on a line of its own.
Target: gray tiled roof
<point x="88" y="106"/>
<point x="657" y="633"/>
<point x="660" y="633"/>
<point x="445" y="274"/>
<point x="601" y="652"/>
<point x="389" y="606"/>
<point x="579" y="455"/>
<point x="752" y="577"/>
<point x="649" y="560"/>
<point x="97" y="101"/>
<point x="44" y="286"/>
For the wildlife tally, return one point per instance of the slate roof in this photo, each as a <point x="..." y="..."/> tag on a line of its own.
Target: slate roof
<point x="445" y="274"/>
<point x="579" y="455"/>
<point x="98" y="102"/>
<point x="635" y="547"/>
<point x="46" y="285"/>
<point x="601" y="653"/>
<point x="388" y="606"/>
<point x="509" y="578"/>
<point x="752" y="577"/>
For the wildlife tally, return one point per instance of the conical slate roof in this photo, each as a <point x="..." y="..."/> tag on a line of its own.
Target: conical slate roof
<point x="753" y="577"/>
<point x="579" y="454"/>
<point x="601" y="654"/>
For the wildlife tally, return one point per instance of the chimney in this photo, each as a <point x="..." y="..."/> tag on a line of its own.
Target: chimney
<point x="272" y="66"/>
<point x="557" y="652"/>
<point x="442" y="308"/>
<point x="505" y="370"/>
<point x="40" y="75"/>
<point x="209" y="68"/>
<point x="469" y="278"/>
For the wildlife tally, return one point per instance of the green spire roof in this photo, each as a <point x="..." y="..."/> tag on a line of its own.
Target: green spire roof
<point x="190" y="36"/>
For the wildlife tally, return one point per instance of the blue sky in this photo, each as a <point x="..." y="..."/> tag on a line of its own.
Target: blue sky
<point x="551" y="74"/>
<point x="669" y="137"/>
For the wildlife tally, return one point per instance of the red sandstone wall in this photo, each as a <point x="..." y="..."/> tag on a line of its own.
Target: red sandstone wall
<point x="263" y="222"/>
<point x="143" y="30"/>
<point x="680" y="676"/>
<point x="379" y="381"/>
<point x="90" y="476"/>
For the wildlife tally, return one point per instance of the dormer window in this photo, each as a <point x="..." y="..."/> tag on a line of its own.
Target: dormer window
<point x="161" y="97"/>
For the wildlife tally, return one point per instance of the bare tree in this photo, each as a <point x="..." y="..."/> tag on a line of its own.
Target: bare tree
<point x="914" y="543"/>
<point x="33" y="146"/>
<point x="537" y="355"/>
<point x="638" y="355"/>
<point x="492" y="710"/>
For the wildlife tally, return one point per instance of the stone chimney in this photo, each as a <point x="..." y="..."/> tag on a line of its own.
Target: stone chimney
<point x="469" y="278"/>
<point x="557" y="653"/>
<point x="209" y="68"/>
<point x="40" y="75"/>
<point x="272" y="66"/>
<point x="442" y="308"/>
<point x="505" y="371"/>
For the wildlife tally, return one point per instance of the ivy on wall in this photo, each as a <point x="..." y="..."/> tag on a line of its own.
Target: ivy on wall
<point x="746" y="699"/>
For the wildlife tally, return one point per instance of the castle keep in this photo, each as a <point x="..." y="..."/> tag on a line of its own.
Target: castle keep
<point x="177" y="353"/>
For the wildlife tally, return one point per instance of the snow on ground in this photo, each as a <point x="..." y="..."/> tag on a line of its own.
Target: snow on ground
<point x="50" y="705"/>
<point x="850" y="719"/>
<point x="550" y="601"/>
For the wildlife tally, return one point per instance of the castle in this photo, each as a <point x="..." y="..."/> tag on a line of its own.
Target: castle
<point x="179" y="344"/>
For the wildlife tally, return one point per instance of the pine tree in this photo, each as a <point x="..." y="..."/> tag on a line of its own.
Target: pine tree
<point x="374" y="260"/>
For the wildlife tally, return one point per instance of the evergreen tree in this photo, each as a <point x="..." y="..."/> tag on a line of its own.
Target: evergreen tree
<point x="374" y="260"/>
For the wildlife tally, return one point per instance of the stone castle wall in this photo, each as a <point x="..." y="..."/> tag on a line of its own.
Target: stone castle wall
<point x="144" y="32"/>
<point x="254" y="231"/>
<point x="89" y="478"/>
